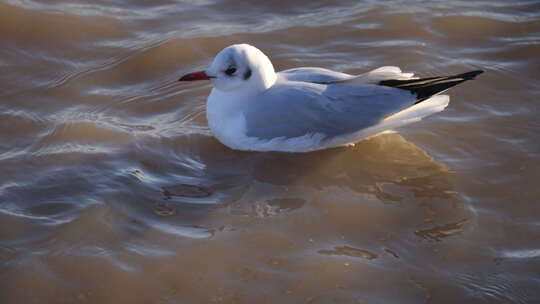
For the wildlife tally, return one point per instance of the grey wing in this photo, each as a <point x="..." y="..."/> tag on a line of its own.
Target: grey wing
<point x="325" y="76"/>
<point x="315" y="75"/>
<point x="297" y="109"/>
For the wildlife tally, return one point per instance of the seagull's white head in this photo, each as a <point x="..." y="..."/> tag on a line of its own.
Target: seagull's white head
<point x="240" y="68"/>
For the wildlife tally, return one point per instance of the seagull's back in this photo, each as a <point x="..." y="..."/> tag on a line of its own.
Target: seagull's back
<point x="295" y="108"/>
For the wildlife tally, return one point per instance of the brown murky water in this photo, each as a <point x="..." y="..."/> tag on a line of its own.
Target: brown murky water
<point x="112" y="189"/>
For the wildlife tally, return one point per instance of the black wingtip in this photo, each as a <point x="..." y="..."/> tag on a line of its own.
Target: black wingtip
<point x="427" y="87"/>
<point x="470" y="75"/>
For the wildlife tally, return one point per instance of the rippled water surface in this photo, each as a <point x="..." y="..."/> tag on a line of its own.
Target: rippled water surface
<point x="112" y="189"/>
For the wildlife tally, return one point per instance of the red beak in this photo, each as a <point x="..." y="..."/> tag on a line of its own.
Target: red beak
<point x="201" y="75"/>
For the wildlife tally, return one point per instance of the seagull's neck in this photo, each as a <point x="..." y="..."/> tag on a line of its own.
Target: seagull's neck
<point x="264" y="76"/>
<point x="230" y="102"/>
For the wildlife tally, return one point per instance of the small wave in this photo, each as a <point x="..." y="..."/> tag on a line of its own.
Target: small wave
<point x="522" y="254"/>
<point x="183" y="231"/>
<point x="51" y="220"/>
<point x="350" y="251"/>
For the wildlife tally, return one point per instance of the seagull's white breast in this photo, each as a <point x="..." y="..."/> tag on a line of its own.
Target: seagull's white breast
<point x="226" y="119"/>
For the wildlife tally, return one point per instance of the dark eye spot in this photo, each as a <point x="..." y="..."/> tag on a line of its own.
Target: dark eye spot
<point x="247" y="74"/>
<point x="230" y="71"/>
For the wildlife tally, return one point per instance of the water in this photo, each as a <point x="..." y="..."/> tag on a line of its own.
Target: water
<point x="112" y="189"/>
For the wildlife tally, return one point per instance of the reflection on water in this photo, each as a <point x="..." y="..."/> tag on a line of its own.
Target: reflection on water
<point x="111" y="181"/>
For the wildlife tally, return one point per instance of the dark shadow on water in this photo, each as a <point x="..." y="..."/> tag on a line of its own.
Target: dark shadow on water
<point x="202" y="178"/>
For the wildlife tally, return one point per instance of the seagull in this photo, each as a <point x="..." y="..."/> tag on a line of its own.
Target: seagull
<point x="253" y="108"/>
